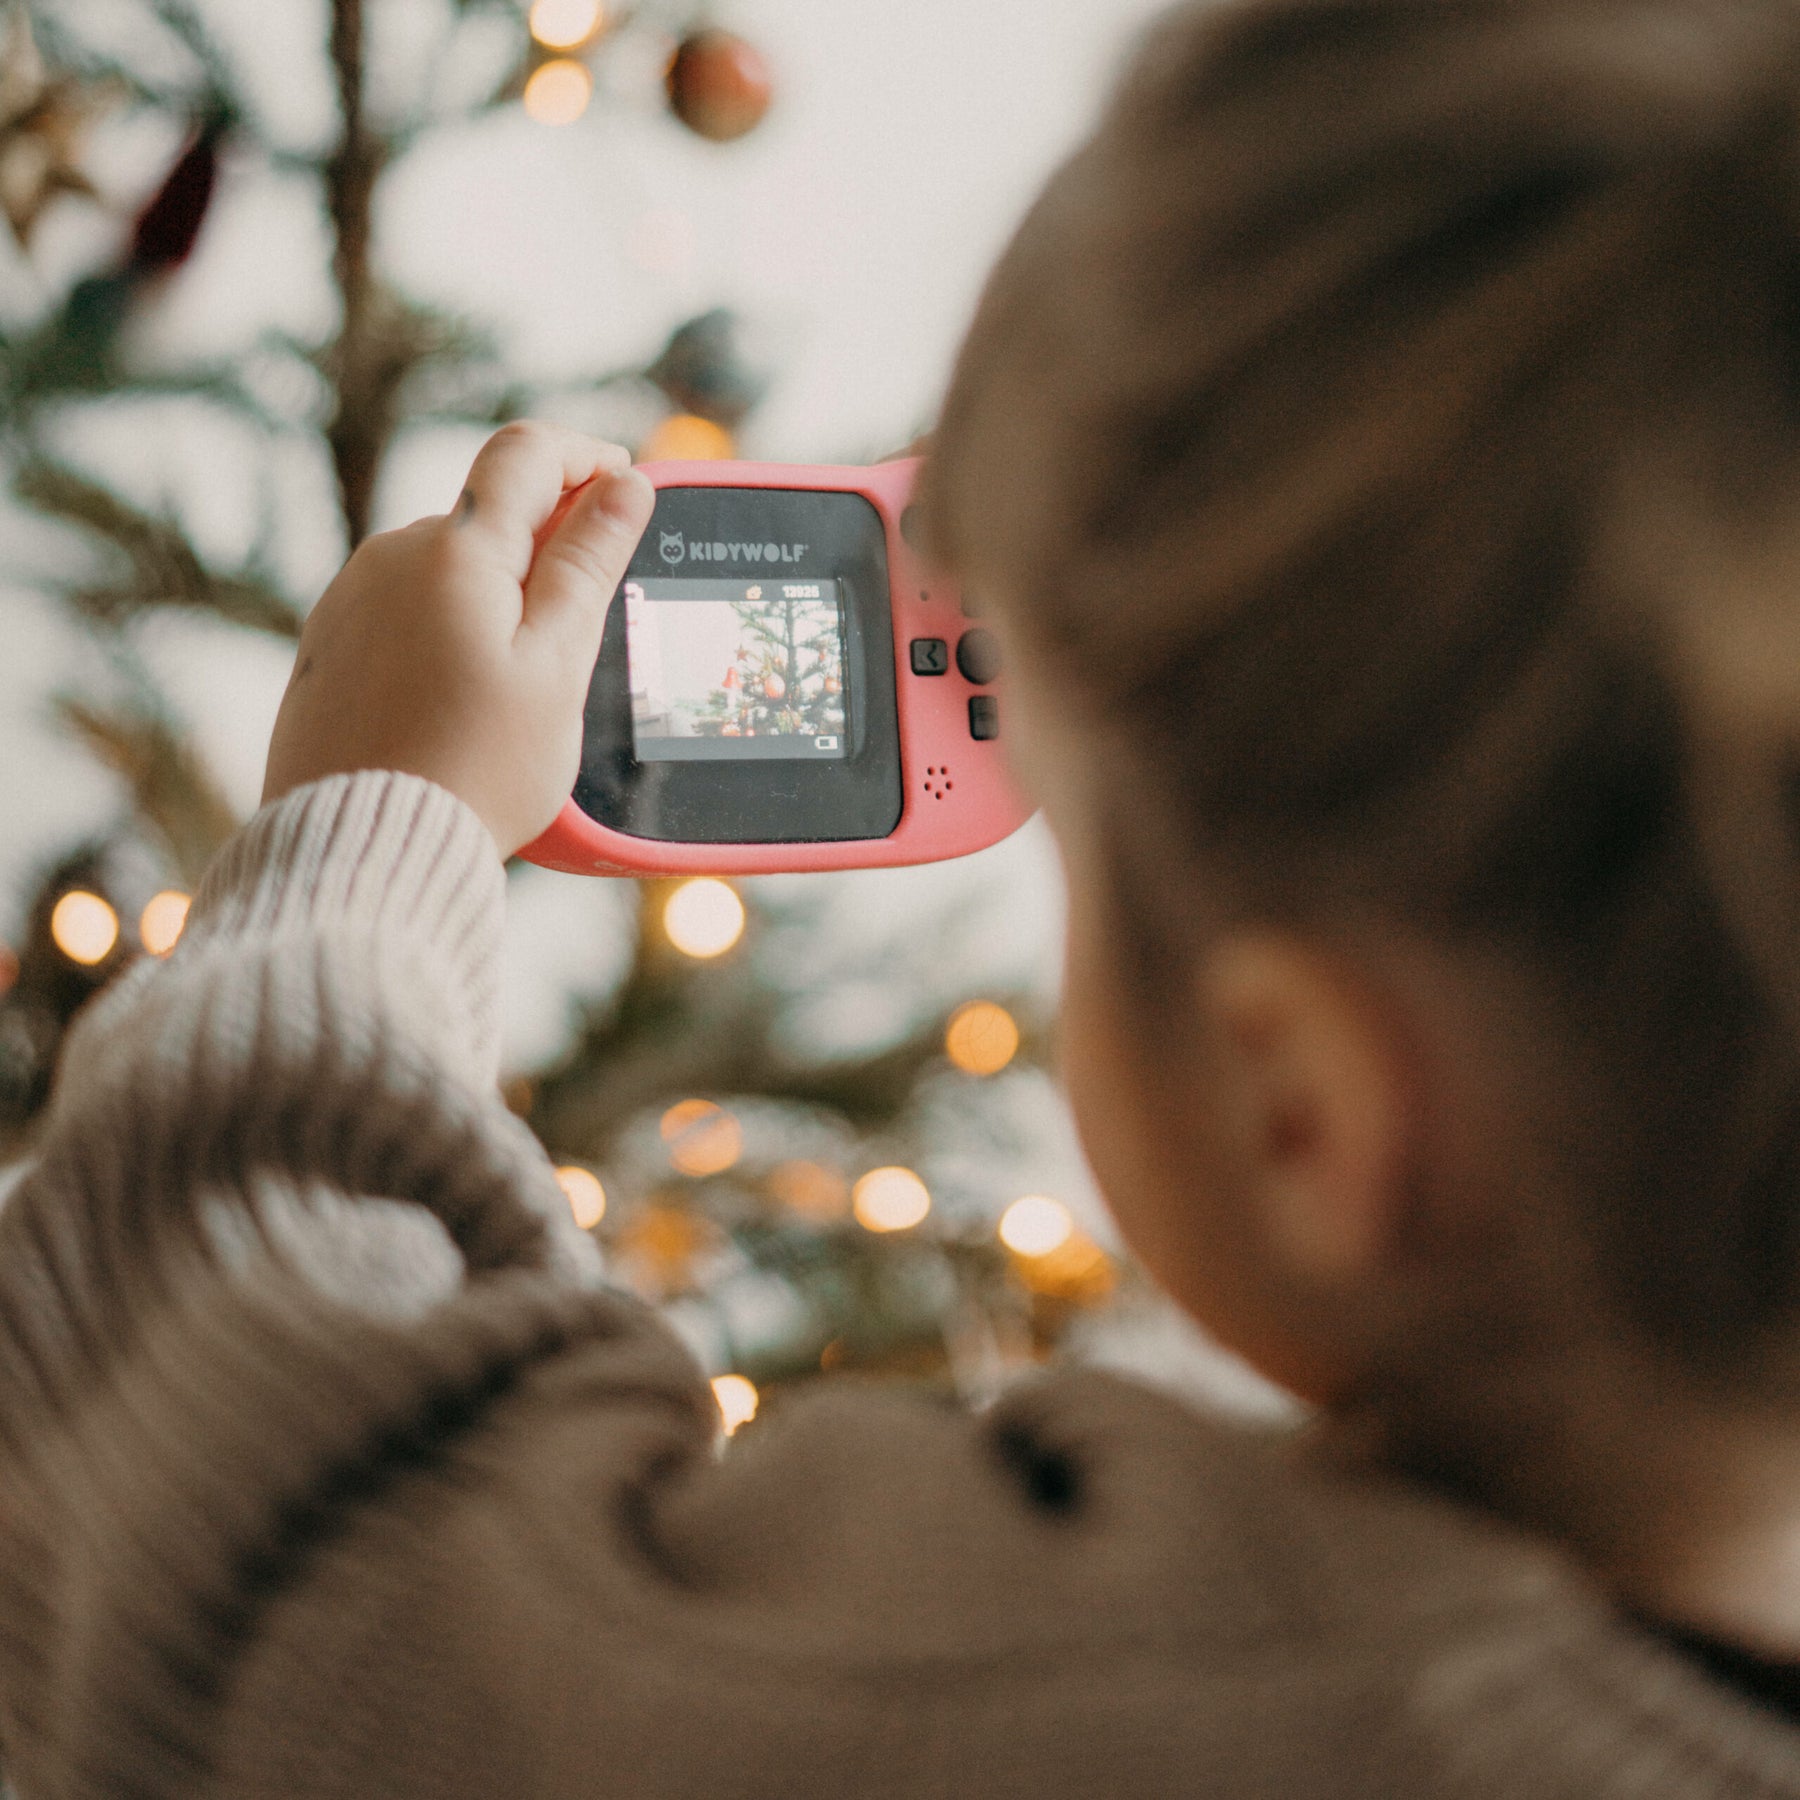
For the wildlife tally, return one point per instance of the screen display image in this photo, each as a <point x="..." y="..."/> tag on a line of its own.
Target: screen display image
<point x="736" y="670"/>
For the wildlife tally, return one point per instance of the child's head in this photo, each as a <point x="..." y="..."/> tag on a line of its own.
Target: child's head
<point x="1379" y="448"/>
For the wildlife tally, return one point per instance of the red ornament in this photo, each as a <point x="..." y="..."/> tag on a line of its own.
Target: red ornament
<point x="719" y="85"/>
<point x="774" y="688"/>
<point x="731" y="679"/>
<point x="168" y="228"/>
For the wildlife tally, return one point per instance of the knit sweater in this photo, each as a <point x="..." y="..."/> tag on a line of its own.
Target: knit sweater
<point x="331" y="1468"/>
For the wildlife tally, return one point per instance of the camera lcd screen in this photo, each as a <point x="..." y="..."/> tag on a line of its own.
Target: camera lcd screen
<point x="745" y="689"/>
<point x="736" y="671"/>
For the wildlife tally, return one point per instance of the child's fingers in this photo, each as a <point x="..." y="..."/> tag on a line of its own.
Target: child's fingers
<point x="521" y="475"/>
<point x="584" y="559"/>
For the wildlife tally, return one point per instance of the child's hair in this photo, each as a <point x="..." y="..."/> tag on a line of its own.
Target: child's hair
<point x="1385" y="434"/>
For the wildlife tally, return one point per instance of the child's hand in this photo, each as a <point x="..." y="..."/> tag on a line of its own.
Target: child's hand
<point x="460" y="648"/>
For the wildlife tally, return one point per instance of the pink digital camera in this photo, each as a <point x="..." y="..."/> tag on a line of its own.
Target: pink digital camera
<point x="783" y="685"/>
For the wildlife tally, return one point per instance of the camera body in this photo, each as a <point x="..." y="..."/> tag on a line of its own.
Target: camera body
<point x="782" y="685"/>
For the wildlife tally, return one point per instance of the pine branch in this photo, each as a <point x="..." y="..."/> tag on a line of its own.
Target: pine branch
<point x="362" y="365"/>
<point x="680" y="1028"/>
<point x="164" y="569"/>
<point x="183" y="21"/>
<point x="170" y="785"/>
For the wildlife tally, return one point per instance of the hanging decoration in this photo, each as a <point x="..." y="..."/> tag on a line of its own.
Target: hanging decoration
<point x="704" y="369"/>
<point x="719" y="85"/>
<point x="168" y="228"/>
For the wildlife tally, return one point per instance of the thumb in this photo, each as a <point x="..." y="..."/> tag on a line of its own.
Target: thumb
<point x="581" y="563"/>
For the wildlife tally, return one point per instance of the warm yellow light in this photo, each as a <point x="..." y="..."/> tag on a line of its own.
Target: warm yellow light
<point x="587" y="1198"/>
<point x="84" y="927"/>
<point x="982" y="1038"/>
<point x="159" y="927"/>
<point x="1077" y="1270"/>
<point x="890" y="1200"/>
<point x="737" y="1400"/>
<point x="562" y="24"/>
<point x="686" y="437"/>
<point x="810" y="1189"/>
<point x="559" y="92"/>
<point x="1036" y="1225"/>
<point x="703" y="1139"/>
<point x="704" y="918"/>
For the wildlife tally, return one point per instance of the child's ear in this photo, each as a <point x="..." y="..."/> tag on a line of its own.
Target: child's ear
<point x="1316" y="1087"/>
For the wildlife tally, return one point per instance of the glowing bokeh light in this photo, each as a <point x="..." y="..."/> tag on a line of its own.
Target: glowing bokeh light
<point x="84" y="928"/>
<point x="160" y="925"/>
<point x="982" y="1038"/>
<point x="686" y="437"/>
<point x="704" y="918"/>
<point x="810" y="1189"/>
<point x="1036" y="1225"/>
<point x="562" y="24"/>
<point x="737" y="1400"/>
<point x="1077" y="1270"/>
<point x="559" y="92"/>
<point x="587" y="1198"/>
<point x="703" y="1139"/>
<point x="890" y="1200"/>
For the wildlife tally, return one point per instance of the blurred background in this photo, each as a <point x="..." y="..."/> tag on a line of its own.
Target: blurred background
<point x="271" y="275"/>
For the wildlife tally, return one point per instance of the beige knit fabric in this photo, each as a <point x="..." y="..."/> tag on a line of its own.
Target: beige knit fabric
<point x="331" y="1471"/>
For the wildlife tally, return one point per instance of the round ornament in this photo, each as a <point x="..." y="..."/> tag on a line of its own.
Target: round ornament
<point x="719" y="85"/>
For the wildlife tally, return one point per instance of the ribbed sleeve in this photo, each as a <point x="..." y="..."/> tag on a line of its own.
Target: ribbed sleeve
<point x="282" y="1232"/>
<point x="383" y="855"/>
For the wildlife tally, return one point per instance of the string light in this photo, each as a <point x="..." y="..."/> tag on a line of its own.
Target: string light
<point x="704" y="918"/>
<point x="160" y="926"/>
<point x="686" y="437"/>
<point x="890" y="1200"/>
<point x="1077" y="1270"/>
<point x="1036" y="1226"/>
<point x="737" y="1399"/>
<point x="83" y="927"/>
<point x="587" y="1198"/>
<point x="982" y="1038"/>
<point x="810" y="1189"/>
<point x="559" y="92"/>
<point x="703" y="1139"/>
<point x="659" y="1246"/>
<point x="562" y="24"/>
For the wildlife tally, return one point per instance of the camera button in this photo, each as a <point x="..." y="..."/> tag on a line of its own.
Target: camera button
<point x="984" y="718"/>
<point x="978" y="656"/>
<point x="930" y="656"/>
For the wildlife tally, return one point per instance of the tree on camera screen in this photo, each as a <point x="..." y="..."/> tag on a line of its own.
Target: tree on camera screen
<point x="735" y="669"/>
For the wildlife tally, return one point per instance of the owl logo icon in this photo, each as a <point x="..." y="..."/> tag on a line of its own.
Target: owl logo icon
<point x="674" y="547"/>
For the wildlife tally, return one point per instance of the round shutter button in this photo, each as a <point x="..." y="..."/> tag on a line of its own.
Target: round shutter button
<point x="978" y="656"/>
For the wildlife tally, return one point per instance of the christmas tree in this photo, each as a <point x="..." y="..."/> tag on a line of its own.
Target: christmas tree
<point x="767" y="1193"/>
<point x="787" y="679"/>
